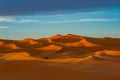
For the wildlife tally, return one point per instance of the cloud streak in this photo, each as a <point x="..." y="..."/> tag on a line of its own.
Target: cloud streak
<point x="6" y="19"/>
<point x="27" y="21"/>
<point x="12" y="20"/>
<point x="3" y="27"/>
<point x="83" y="20"/>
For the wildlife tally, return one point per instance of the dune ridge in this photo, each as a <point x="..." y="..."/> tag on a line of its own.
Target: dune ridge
<point x="60" y="57"/>
<point x="50" y="47"/>
<point x="63" y="46"/>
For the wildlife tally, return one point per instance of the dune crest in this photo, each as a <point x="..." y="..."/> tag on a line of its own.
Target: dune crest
<point x="79" y="43"/>
<point x="30" y="41"/>
<point x="86" y="43"/>
<point x="74" y="36"/>
<point x="26" y="40"/>
<point x="108" y="55"/>
<point x="64" y="46"/>
<point x="51" y="47"/>
<point x="71" y="60"/>
<point x="57" y="36"/>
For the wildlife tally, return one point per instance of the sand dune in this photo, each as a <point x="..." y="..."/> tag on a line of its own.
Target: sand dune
<point x="45" y="40"/>
<point x="50" y="47"/>
<point x="57" y="36"/>
<point x="112" y="53"/>
<point x="33" y="70"/>
<point x="80" y="43"/>
<point x="18" y="56"/>
<point x="60" y="57"/>
<point x="108" y="55"/>
<point x="75" y="36"/>
<point x="26" y="40"/>
<point x="10" y="46"/>
<point x="66" y="38"/>
<point x="70" y="60"/>
<point x="87" y="43"/>
<point x="70" y="44"/>
<point x="30" y="41"/>
<point x="1" y="43"/>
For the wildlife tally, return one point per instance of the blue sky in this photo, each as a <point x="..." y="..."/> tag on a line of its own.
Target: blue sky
<point x="43" y="18"/>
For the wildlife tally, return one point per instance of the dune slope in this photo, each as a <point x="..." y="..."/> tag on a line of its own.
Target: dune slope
<point x="60" y="57"/>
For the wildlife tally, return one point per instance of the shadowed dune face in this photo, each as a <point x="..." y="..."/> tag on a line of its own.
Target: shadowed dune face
<point x="77" y="54"/>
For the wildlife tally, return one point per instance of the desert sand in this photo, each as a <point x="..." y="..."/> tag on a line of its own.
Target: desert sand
<point x="60" y="57"/>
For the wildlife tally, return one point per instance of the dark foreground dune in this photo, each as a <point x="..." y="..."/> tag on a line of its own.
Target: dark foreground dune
<point x="34" y="70"/>
<point x="68" y="57"/>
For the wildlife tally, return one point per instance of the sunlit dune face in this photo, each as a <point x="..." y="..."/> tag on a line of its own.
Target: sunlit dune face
<point x="26" y="40"/>
<point x="87" y="43"/>
<point x="10" y="46"/>
<point x="50" y="47"/>
<point x="78" y="43"/>
<point x="113" y="53"/>
<point x="1" y="43"/>
<point x="33" y="42"/>
<point x="18" y="56"/>
<point x="68" y="38"/>
<point x="30" y="41"/>
<point x="57" y="36"/>
<point x="108" y="53"/>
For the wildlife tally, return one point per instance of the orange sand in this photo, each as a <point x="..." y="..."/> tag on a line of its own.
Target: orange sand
<point x="60" y="57"/>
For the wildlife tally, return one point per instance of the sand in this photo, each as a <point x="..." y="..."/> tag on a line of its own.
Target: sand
<point x="60" y="57"/>
<point x="33" y="70"/>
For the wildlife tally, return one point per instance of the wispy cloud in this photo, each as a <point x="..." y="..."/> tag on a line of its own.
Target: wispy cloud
<point x="6" y="19"/>
<point x="27" y="21"/>
<point x="82" y="20"/>
<point x="2" y="27"/>
<point x="75" y="12"/>
<point x="13" y="20"/>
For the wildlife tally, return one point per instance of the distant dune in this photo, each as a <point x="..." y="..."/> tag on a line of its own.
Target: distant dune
<point x="9" y="45"/>
<point x="50" y="47"/>
<point x="30" y="41"/>
<point x="60" y="57"/>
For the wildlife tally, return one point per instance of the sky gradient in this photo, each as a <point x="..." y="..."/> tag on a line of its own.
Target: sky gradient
<point x="42" y="18"/>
